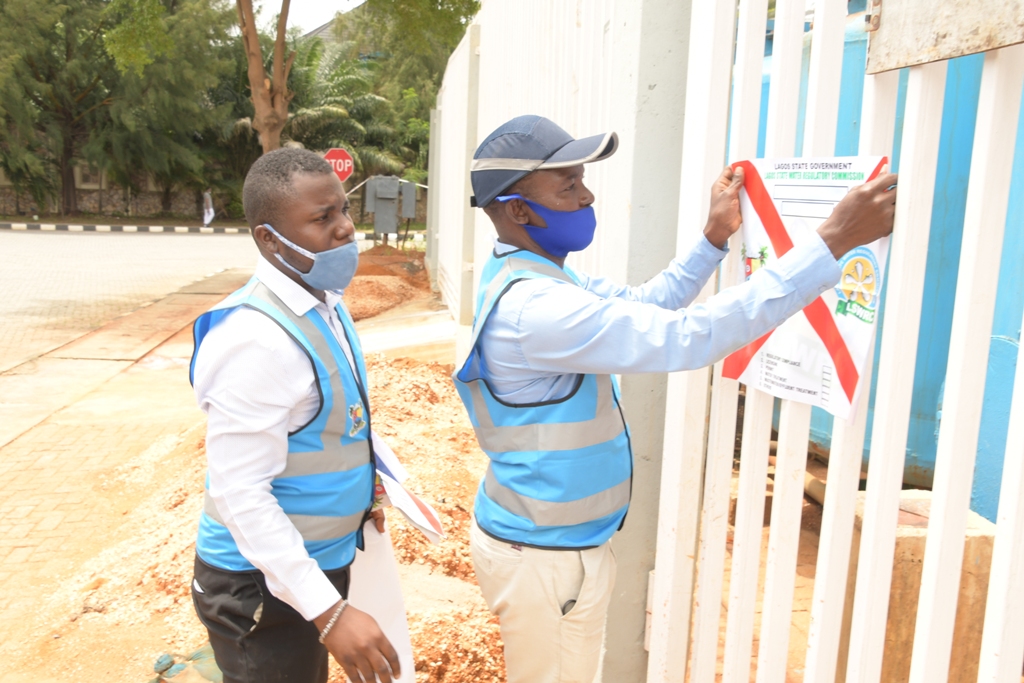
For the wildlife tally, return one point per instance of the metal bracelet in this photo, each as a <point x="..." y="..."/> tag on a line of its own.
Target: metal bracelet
<point x="333" y="619"/>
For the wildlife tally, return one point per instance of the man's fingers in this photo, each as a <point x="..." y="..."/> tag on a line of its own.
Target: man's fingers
<point x="366" y="670"/>
<point x="383" y="670"/>
<point x="883" y="181"/>
<point x="737" y="178"/>
<point x="391" y="656"/>
<point x="351" y="671"/>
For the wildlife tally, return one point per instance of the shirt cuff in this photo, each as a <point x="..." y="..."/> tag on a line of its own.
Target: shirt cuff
<point x="314" y="595"/>
<point x="810" y="267"/>
<point x="709" y="250"/>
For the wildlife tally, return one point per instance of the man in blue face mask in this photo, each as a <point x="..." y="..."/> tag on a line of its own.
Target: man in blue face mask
<point x="279" y="372"/>
<point x="539" y="388"/>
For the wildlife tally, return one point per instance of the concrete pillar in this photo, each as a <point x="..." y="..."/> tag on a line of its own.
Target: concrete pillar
<point x="911" y="535"/>
<point x="433" y="195"/>
<point x="469" y="213"/>
<point x="660" y="77"/>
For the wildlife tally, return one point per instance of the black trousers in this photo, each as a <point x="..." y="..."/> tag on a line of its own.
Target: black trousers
<point x="257" y="638"/>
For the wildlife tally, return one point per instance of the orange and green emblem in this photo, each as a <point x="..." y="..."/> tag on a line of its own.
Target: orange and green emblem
<point x="859" y="285"/>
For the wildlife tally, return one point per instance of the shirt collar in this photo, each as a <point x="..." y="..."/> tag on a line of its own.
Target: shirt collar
<point x="501" y="248"/>
<point x="286" y="289"/>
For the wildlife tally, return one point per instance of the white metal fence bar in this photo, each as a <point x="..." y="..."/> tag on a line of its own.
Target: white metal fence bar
<point x="824" y="78"/>
<point x="977" y="281"/>
<point x="795" y="420"/>
<point x="1002" y="642"/>
<point x="725" y="395"/>
<point x="746" y="553"/>
<point x="704" y="133"/>
<point x="746" y="548"/>
<point x="831" y="573"/>
<point x="783" y="542"/>
<point x="715" y="514"/>
<point x="920" y="149"/>
<point x="784" y="94"/>
<point x="819" y="140"/>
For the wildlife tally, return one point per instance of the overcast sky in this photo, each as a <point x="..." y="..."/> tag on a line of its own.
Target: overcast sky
<point x="308" y="14"/>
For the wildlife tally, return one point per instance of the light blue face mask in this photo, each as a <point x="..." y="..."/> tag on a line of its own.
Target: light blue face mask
<point x="332" y="270"/>
<point x="567" y="230"/>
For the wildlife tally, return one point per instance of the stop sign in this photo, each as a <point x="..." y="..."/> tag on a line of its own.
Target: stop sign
<point x="341" y="162"/>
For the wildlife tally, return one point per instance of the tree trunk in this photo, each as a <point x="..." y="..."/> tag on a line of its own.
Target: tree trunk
<point x="68" y="197"/>
<point x="165" y="198"/>
<point x="270" y="97"/>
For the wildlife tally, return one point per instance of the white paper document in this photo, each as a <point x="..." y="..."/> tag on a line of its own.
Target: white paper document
<point x="818" y="355"/>
<point x="375" y="589"/>
<point x="391" y="474"/>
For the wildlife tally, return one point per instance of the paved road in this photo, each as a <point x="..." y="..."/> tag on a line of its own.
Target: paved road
<point x="55" y="287"/>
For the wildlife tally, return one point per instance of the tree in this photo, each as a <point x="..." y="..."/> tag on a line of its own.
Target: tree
<point x="409" y="41"/>
<point x="155" y="122"/>
<point x="270" y="96"/>
<point x="59" y="87"/>
<point x="89" y="83"/>
<point x="336" y="107"/>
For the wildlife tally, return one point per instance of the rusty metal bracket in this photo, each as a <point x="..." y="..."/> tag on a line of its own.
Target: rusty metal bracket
<point x="873" y="16"/>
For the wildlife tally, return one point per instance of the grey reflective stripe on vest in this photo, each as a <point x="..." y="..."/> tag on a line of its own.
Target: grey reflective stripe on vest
<point x="547" y="513"/>
<point x="511" y="265"/>
<point x="333" y="458"/>
<point x="336" y="420"/>
<point x="346" y="457"/>
<point x="564" y="436"/>
<point x="310" y="527"/>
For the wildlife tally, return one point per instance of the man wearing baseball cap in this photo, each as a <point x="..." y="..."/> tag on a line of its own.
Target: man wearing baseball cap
<point x="539" y="388"/>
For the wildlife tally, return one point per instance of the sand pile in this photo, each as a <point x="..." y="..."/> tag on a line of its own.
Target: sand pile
<point x="138" y="588"/>
<point x="386" y="277"/>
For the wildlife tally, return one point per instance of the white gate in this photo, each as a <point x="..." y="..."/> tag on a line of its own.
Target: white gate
<point x="700" y="425"/>
<point x="578" y="63"/>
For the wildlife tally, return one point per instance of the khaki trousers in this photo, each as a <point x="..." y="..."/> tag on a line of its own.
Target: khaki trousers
<point x="548" y="637"/>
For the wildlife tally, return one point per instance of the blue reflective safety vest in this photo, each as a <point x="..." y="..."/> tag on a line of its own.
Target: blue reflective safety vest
<point x="326" y="488"/>
<point x="561" y="471"/>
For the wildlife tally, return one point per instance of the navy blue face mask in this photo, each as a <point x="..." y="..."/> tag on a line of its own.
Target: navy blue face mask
<point x="567" y="230"/>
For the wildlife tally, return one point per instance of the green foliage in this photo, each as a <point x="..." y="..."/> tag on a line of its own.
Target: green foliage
<point x="138" y="35"/>
<point x="159" y="89"/>
<point x="408" y="42"/>
<point x="82" y="91"/>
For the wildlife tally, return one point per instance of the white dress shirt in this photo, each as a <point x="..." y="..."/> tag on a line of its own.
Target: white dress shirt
<point x="543" y="332"/>
<point x="256" y="385"/>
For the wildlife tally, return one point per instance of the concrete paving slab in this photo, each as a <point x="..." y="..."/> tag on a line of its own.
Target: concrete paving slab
<point x="35" y="390"/>
<point x="93" y="278"/>
<point x="421" y="329"/>
<point x="222" y="283"/>
<point x="132" y="337"/>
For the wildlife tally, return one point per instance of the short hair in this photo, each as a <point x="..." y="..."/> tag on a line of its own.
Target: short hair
<point x="270" y="180"/>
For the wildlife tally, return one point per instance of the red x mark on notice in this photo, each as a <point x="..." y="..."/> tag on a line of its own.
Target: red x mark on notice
<point x="817" y="312"/>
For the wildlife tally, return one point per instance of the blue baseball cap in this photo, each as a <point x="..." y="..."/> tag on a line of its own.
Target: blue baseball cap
<point x="527" y="144"/>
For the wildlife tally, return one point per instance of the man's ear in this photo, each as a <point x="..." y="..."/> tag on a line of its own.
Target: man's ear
<point x="517" y="210"/>
<point x="265" y="239"/>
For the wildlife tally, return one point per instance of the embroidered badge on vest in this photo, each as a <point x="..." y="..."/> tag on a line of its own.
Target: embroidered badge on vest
<point x="355" y="414"/>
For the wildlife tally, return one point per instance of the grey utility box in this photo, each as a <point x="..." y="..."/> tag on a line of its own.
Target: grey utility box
<point x="381" y="197"/>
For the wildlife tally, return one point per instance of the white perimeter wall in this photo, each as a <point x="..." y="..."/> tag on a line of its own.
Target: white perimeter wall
<point x="591" y="66"/>
<point x="576" y="63"/>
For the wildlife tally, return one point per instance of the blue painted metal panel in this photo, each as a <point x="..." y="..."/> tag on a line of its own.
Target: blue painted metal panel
<point x="963" y="82"/>
<point x="1002" y="364"/>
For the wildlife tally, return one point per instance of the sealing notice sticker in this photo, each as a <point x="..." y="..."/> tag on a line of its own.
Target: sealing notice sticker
<point x="817" y="356"/>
